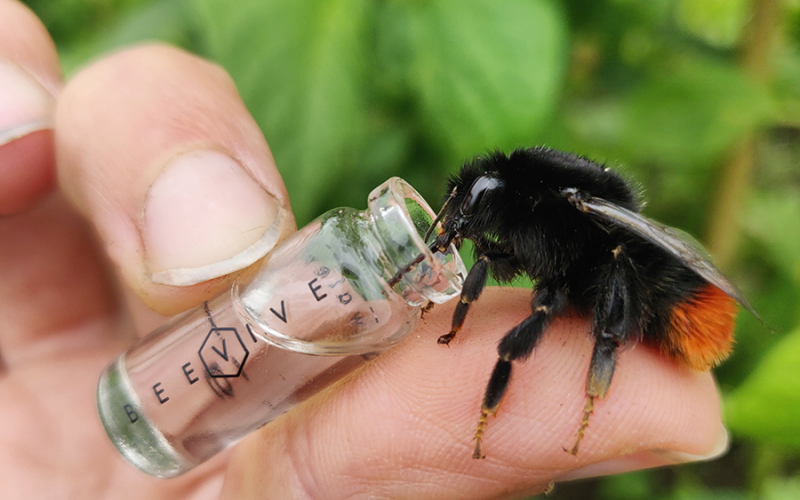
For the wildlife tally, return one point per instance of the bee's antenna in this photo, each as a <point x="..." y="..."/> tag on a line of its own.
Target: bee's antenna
<point x="440" y="214"/>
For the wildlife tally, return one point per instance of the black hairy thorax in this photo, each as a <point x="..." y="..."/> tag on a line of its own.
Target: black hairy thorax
<point x="531" y="220"/>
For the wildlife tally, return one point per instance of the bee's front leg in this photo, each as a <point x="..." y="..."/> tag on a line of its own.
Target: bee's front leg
<point x="473" y="286"/>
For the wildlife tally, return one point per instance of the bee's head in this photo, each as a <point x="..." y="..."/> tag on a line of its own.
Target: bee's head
<point x="458" y="211"/>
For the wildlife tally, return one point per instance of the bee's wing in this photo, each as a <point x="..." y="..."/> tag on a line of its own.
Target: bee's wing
<point x="679" y="244"/>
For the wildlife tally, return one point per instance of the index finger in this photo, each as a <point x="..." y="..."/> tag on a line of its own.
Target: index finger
<point x="403" y="427"/>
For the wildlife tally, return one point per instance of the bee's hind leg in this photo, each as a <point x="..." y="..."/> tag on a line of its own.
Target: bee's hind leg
<point x="615" y="320"/>
<point x="546" y="304"/>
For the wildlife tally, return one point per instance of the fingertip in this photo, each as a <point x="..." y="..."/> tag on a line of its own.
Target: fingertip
<point x="647" y="459"/>
<point x="25" y="41"/>
<point x="30" y="77"/>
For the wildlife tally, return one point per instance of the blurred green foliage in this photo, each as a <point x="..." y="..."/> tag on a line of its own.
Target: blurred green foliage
<point x="350" y="92"/>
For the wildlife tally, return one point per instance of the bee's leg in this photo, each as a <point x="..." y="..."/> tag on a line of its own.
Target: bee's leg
<point x="427" y="308"/>
<point x="473" y="286"/>
<point x="546" y="304"/>
<point x="614" y="323"/>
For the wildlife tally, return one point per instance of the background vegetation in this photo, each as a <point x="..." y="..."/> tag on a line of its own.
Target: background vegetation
<point x="699" y="100"/>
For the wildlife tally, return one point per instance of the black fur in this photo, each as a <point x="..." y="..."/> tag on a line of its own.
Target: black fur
<point x="545" y="237"/>
<point x="523" y="223"/>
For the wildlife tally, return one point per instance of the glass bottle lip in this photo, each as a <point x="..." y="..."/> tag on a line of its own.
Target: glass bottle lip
<point x="438" y="277"/>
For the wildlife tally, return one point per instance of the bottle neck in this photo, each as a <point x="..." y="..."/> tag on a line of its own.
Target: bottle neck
<point x="399" y="218"/>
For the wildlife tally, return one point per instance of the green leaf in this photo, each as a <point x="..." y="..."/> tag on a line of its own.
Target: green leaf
<point x="299" y="66"/>
<point x="766" y="406"/>
<point x="484" y="74"/>
<point x="70" y="20"/>
<point x="718" y="22"/>
<point x="630" y="486"/>
<point x="781" y="489"/>
<point x="165" y="21"/>
<point x="703" y="493"/>
<point x="773" y="218"/>
<point x="690" y="111"/>
<point x="686" y="113"/>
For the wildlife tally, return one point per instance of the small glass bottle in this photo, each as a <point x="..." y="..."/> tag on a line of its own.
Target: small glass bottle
<point x="318" y="307"/>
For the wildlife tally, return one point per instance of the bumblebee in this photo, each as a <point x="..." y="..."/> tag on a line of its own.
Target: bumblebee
<point x="573" y="227"/>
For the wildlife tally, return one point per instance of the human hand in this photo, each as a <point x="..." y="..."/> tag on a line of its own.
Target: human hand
<point x="133" y="134"/>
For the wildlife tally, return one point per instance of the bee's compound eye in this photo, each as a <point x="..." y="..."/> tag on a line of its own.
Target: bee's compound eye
<point x="481" y="185"/>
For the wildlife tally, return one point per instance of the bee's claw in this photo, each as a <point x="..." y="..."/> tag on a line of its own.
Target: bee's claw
<point x="445" y="339"/>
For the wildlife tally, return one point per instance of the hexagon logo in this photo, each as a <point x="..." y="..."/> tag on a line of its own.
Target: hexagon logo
<point x="223" y="353"/>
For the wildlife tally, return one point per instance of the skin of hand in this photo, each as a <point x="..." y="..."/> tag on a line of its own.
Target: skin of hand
<point x="100" y="225"/>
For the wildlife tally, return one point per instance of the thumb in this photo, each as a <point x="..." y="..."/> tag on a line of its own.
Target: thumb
<point x="180" y="185"/>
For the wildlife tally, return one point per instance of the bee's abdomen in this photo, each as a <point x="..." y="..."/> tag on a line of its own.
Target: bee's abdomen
<point x="700" y="329"/>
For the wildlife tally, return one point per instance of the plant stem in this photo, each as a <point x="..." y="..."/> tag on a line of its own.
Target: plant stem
<point x="734" y="184"/>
